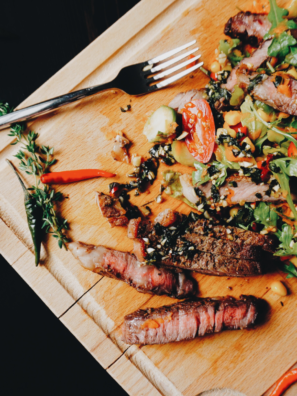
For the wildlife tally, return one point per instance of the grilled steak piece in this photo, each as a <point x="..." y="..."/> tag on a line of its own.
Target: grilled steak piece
<point x="211" y="264"/>
<point x="238" y="235"/>
<point x="112" y="209"/>
<point x="248" y="27"/>
<point x="269" y="94"/>
<point x="179" y="101"/>
<point x="193" y="245"/>
<point x="253" y="63"/>
<point x="125" y="267"/>
<point x="245" y="190"/>
<point x="187" y="320"/>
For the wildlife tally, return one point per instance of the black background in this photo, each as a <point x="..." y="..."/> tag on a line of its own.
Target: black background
<point x="39" y="356"/>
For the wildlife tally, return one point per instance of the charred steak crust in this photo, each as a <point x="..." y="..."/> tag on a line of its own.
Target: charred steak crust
<point x="112" y="209"/>
<point x="240" y="236"/>
<point x="189" y="319"/>
<point x="248" y="27"/>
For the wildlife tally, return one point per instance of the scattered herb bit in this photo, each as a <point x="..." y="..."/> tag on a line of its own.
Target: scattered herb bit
<point x="125" y="109"/>
<point x="277" y="81"/>
<point x="215" y="194"/>
<point x="163" y="152"/>
<point x="255" y="81"/>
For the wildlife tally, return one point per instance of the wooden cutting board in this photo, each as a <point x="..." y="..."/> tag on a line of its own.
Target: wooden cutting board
<point x="92" y="307"/>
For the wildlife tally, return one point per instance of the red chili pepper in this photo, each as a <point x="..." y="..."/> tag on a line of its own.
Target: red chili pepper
<point x="287" y="380"/>
<point x="213" y="76"/>
<point x="73" y="176"/>
<point x="191" y="64"/>
<point x="264" y="166"/>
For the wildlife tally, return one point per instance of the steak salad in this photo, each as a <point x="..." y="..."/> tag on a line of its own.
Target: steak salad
<point x="236" y="138"/>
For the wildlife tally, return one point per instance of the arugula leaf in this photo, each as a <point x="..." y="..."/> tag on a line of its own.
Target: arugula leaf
<point x="291" y="58"/>
<point x="197" y="178"/>
<point x="286" y="237"/>
<point x="265" y="215"/>
<point x="280" y="46"/>
<point x="276" y="15"/>
<point x="259" y="142"/>
<point x="283" y="180"/>
<point x="290" y="270"/>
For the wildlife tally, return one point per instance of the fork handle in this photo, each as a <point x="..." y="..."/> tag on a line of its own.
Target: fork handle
<point x="49" y="105"/>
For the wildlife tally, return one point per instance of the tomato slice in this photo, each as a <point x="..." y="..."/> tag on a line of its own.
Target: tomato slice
<point x="198" y="121"/>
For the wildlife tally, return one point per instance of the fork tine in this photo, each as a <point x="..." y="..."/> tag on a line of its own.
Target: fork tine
<point x="175" y="68"/>
<point x="178" y="76"/>
<point x="170" y="53"/>
<point x="171" y="61"/>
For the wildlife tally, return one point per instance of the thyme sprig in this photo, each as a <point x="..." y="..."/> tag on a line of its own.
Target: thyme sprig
<point x="36" y="160"/>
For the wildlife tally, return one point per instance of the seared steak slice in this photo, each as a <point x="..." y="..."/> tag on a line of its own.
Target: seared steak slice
<point x="252" y="63"/>
<point x="248" y="27"/>
<point x="241" y="237"/>
<point x="112" y="209"/>
<point x="179" y="101"/>
<point x="211" y="264"/>
<point x="225" y="247"/>
<point x="186" y="320"/>
<point x="125" y="267"/>
<point x="269" y="94"/>
<point x="245" y="190"/>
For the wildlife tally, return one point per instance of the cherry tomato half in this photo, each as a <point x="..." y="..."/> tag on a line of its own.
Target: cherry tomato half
<point x="199" y="123"/>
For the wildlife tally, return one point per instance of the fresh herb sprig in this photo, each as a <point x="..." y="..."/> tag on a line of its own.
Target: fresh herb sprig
<point x="35" y="160"/>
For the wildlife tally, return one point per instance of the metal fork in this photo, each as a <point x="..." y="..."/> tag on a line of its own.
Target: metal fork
<point x="135" y="80"/>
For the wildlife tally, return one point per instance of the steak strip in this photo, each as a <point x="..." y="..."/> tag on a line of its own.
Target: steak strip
<point x="187" y="320"/>
<point x="248" y="27"/>
<point x="200" y="246"/>
<point x="125" y="267"/>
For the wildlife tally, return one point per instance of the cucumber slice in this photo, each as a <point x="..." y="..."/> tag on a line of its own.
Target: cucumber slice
<point x="181" y="153"/>
<point x="159" y="125"/>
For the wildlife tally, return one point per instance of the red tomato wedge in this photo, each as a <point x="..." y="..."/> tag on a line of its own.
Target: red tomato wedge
<point x="199" y="123"/>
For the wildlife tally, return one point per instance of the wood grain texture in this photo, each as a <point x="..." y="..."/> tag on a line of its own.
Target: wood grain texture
<point x="93" y="307"/>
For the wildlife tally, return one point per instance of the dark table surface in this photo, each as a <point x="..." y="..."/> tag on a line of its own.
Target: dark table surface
<point x="39" y="355"/>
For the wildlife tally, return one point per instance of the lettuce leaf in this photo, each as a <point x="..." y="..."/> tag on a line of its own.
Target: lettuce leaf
<point x="265" y="215"/>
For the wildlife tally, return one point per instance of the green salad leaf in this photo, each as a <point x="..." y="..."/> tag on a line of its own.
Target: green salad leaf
<point x="224" y="161"/>
<point x="286" y="247"/>
<point x="250" y="121"/>
<point x="279" y="168"/>
<point x="197" y="178"/>
<point x="265" y="215"/>
<point x="280" y="46"/>
<point x="276" y="16"/>
<point x="291" y="58"/>
<point x="290" y="270"/>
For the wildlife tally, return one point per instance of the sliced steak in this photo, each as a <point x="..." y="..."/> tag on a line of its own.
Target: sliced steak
<point x="179" y="101"/>
<point x="125" y="267"/>
<point x="112" y="209"/>
<point x="212" y="264"/>
<point x="253" y="63"/>
<point x="189" y="319"/>
<point x="248" y="27"/>
<point x="269" y="94"/>
<point x="241" y="237"/>
<point x="192" y="245"/>
<point x="245" y="190"/>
